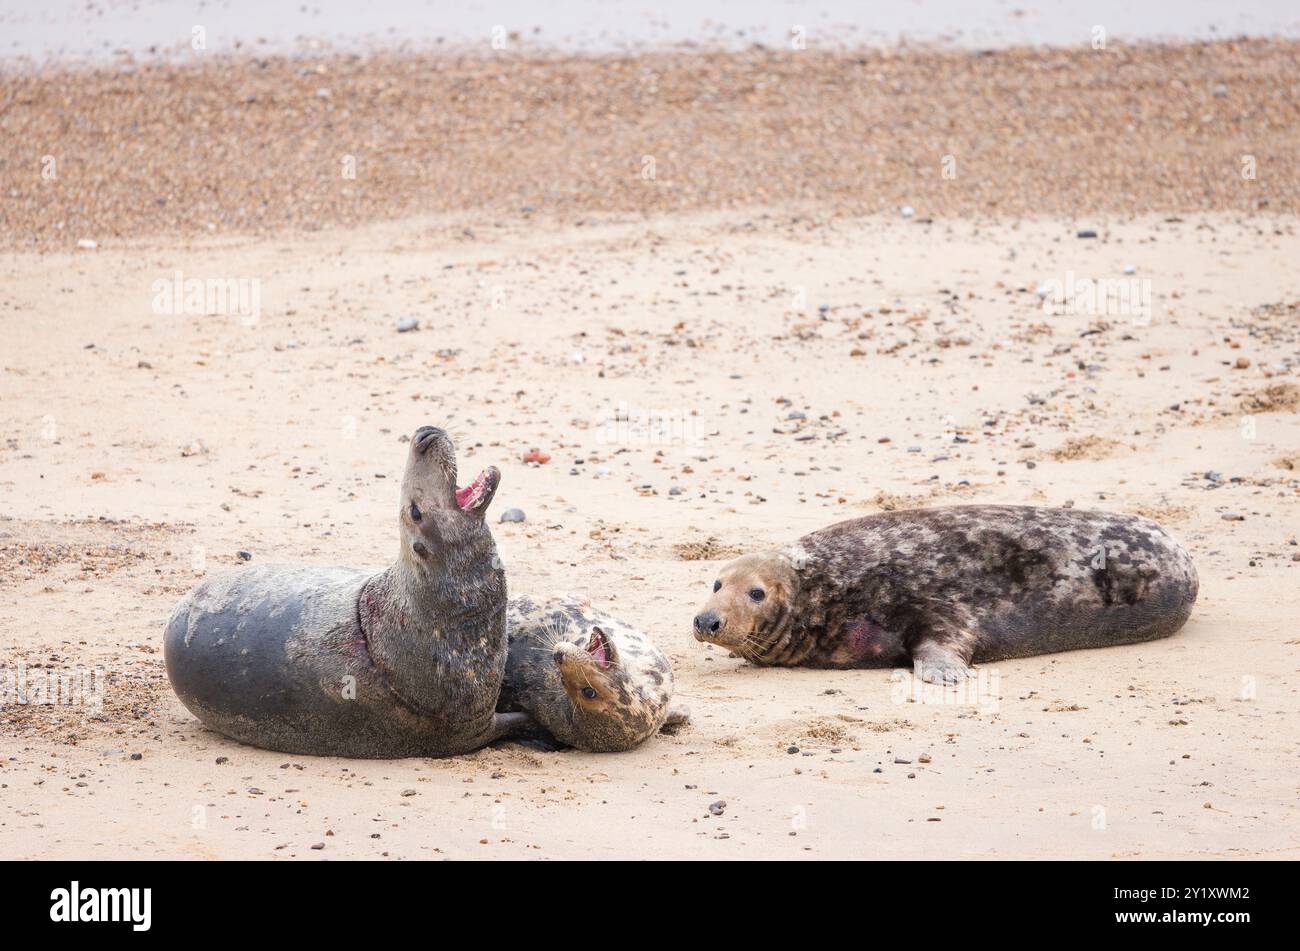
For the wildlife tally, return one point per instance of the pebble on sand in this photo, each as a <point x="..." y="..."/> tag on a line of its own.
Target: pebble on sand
<point x="512" y="515"/>
<point x="407" y="324"/>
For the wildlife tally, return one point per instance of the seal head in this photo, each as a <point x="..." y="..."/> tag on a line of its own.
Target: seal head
<point x="748" y="611"/>
<point x="436" y="514"/>
<point x="591" y="681"/>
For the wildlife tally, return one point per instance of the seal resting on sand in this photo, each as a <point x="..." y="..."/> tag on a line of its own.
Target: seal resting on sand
<point x="339" y="662"/>
<point x="939" y="588"/>
<point x="590" y="680"/>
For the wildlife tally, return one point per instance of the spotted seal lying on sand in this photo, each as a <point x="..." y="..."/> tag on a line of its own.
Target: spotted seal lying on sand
<point x="940" y="588"/>
<point x="340" y="662"/>
<point x="590" y="680"/>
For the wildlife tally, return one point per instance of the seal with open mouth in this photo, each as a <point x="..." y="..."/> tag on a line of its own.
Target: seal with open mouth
<point x="940" y="588"/>
<point x="590" y="680"/>
<point x="340" y="662"/>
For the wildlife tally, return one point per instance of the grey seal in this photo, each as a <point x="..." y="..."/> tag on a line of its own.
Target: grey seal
<point x="941" y="588"/>
<point x="340" y="662"/>
<point x="590" y="680"/>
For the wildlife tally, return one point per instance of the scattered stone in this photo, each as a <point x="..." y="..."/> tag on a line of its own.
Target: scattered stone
<point x="407" y="324"/>
<point x="512" y="515"/>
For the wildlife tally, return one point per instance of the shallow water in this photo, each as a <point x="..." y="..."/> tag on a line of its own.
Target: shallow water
<point x="107" y="29"/>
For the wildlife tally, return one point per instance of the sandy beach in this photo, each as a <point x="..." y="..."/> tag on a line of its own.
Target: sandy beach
<point x="750" y="342"/>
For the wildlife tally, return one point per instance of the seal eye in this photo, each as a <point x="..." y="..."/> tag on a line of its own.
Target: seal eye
<point x="716" y="585"/>
<point x="589" y="693"/>
<point x="757" y="594"/>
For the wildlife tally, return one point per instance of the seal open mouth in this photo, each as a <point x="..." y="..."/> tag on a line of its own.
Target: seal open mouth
<point x="481" y="489"/>
<point x="599" y="647"/>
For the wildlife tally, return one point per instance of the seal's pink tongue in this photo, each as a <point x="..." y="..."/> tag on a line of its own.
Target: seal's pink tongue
<point x="467" y="496"/>
<point x="597" y="647"/>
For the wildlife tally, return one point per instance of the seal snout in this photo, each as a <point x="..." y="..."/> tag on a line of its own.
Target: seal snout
<point x="425" y="437"/>
<point x="707" y="623"/>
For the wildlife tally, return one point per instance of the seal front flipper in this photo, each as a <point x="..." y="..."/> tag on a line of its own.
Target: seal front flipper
<point x="937" y="664"/>
<point x="679" y="714"/>
<point x="512" y="725"/>
<point x="942" y="655"/>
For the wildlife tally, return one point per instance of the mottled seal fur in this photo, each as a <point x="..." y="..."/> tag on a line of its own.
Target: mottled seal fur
<point x="590" y="680"/>
<point x="335" y="661"/>
<point x="941" y="588"/>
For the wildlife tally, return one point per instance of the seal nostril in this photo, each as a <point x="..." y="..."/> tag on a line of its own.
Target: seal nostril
<point x="708" y="622"/>
<point x="425" y="436"/>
